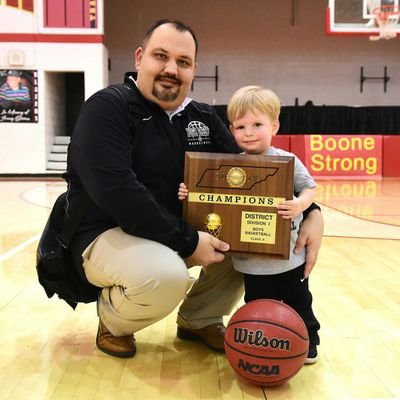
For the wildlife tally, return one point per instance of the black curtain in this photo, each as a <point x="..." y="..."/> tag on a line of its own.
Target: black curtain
<point x="310" y="119"/>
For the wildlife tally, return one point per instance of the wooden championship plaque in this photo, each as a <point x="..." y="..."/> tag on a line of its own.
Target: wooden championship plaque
<point x="234" y="197"/>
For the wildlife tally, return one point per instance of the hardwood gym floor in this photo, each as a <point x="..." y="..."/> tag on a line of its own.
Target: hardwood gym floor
<point x="47" y="350"/>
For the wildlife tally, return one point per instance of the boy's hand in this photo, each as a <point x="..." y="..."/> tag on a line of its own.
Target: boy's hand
<point x="288" y="209"/>
<point x="182" y="192"/>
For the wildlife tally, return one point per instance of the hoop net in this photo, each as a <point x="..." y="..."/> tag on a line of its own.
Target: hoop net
<point x="386" y="17"/>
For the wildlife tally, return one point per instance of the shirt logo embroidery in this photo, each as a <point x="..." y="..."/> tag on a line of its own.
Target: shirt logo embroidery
<point x="198" y="133"/>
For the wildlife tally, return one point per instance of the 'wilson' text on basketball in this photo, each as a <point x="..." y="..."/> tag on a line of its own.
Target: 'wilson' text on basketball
<point x="257" y="338"/>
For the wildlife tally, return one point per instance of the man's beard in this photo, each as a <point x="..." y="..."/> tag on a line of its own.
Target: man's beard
<point x="167" y="95"/>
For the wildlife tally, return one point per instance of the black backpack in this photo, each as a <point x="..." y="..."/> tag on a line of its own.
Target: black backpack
<point x="55" y="269"/>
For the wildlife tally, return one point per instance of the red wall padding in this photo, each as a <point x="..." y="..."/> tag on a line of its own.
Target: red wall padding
<point x="391" y="156"/>
<point x="390" y="150"/>
<point x="281" y="142"/>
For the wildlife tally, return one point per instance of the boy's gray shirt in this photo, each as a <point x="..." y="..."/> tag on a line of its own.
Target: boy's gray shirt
<point x="263" y="264"/>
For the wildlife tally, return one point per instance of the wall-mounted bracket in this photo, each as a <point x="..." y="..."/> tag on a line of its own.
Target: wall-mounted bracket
<point x="385" y="78"/>
<point x="208" y="77"/>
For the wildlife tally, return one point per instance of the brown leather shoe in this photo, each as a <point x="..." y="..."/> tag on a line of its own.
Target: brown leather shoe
<point x="118" y="346"/>
<point x="212" y="336"/>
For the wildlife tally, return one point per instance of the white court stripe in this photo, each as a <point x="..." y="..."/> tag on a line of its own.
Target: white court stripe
<point x="20" y="247"/>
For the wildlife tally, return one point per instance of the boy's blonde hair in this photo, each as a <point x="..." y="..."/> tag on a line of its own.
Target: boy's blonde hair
<point x="253" y="98"/>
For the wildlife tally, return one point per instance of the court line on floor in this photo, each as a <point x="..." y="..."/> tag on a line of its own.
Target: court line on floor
<point x="8" y="254"/>
<point x="339" y="224"/>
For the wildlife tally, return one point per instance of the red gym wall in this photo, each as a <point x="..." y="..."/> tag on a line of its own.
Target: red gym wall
<point x="70" y="14"/>
<point x="26" y="5"/>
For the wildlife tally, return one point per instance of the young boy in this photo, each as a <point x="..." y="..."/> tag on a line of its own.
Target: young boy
<point x="253" y="113"/>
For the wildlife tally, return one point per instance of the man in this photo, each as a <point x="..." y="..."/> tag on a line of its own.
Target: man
<point x="13" y="91"/>
<point x="134" y="244"/>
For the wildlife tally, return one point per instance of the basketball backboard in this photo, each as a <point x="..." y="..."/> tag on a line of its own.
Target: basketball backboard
<point x="359" y="17"/>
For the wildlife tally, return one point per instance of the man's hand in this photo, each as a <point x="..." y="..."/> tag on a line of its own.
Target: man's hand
<point x="310" y="237"/>
<point x="209" y="250"/>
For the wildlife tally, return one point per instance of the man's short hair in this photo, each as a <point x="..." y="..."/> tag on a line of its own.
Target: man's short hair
<point x="178" y="25"/>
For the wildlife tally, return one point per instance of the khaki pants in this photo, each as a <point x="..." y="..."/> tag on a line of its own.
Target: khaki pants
<point x="143" y="281"/>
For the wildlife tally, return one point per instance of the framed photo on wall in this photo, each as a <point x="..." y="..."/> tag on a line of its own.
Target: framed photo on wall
<point x="18" y="96"/>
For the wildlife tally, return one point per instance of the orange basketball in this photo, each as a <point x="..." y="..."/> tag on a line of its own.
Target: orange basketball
<point x="266" y="342"/>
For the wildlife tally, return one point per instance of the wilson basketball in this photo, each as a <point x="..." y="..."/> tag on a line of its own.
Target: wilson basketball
<point x="266" y="342"/>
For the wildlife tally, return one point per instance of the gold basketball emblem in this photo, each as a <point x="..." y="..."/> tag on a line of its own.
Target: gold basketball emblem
<point x="236" y="177"/>
<point x="213" y="224"/>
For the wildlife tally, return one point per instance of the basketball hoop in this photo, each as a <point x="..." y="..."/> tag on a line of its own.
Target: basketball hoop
<point x="386" y="18"/>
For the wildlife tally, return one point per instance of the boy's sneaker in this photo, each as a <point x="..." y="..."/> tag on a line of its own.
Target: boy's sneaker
<point x="312" y="356"/>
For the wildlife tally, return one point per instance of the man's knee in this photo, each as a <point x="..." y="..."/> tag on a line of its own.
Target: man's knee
<point x="163" y="282"/>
